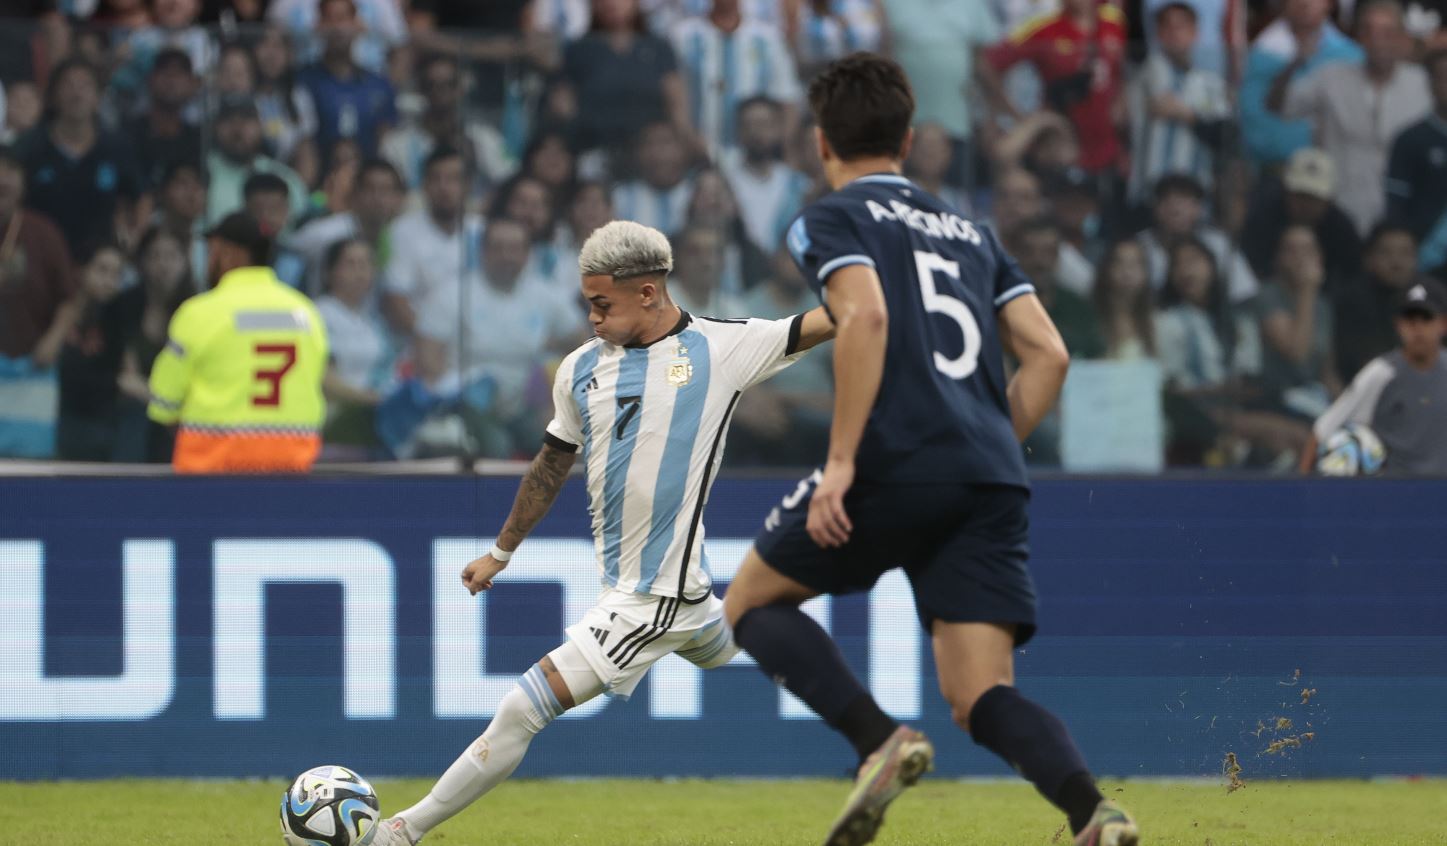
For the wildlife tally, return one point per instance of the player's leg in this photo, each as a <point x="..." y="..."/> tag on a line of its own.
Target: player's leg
<point x="762" y="605"/>
<point x="561" y="680"/>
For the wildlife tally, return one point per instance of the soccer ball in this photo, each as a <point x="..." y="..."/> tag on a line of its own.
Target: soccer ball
<point x="1353" y="450"/>
<point x="329" y="806"/>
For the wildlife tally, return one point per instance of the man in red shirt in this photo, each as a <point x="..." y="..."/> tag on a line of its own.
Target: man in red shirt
<point x="1078" y="54"/>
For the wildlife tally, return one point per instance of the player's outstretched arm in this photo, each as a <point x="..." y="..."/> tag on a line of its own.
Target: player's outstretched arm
<point x="857" y="302"/>
<point x="816" y="328"/>
<point x="535" y="496"/>
<point x="1029" y="335"/>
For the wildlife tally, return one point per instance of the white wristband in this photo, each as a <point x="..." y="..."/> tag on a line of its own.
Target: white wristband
<point x="500" y="554"/>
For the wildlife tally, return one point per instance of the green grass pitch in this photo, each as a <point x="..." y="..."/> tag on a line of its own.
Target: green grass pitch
<point x="737" y="813"/>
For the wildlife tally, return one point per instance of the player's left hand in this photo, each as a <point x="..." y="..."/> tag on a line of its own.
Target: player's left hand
<point x="828" y="524"/>
<point x="478" y="575"/>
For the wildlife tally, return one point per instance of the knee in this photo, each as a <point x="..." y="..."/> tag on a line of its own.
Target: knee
<point x="964" y="698"/>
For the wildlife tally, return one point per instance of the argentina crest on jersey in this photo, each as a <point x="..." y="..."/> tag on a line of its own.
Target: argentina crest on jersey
<point x="680" y="369"/>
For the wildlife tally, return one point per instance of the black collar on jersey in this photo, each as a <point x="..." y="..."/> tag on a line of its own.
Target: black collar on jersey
<point x="682" y="324"/>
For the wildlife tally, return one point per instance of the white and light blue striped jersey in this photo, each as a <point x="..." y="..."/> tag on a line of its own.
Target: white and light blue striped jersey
<point x="651" y="422"/>
<point x="1161" y="147"/>
<point x="723" y="69"/>
<point x="664" y="209"/>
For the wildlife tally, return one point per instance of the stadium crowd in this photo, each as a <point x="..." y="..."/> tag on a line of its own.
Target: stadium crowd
<point x="1235" y="193"/>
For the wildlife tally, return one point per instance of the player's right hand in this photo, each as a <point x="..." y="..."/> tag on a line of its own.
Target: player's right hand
<point x="828" y="524"/>
<point x="478" y="575"/>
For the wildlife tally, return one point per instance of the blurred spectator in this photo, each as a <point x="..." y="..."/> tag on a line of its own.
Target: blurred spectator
<point x="931" y="159"/>
<point x="1298" y="45"/>
<point x="549" y="158"/>
<point x="88" y="360"/>
<point x="714" y="205"/>
<point x="180" y="207"/>
<point x="1211" y="50"/>
<point x="138" y="320"/>
<point x="332" y="192"/>
<point x="351" y="101"/>
<point x="1177" y="109"/>
<point x="1075" y="206"/>
<point x="236" y="74"/>
<point x="1079" y="55"/>
<point x="1018" y="200"/>
<point x="379" y="23"/>
<point x="788" y="422"/>
<point x="431" y="246"/>
<point x="1207" y="349"/>
<point x="1035" y="244"/>
<point x="241" y="371"/>
<point x="663" y="15"/>
<point x="727" y="58"/>
<point x="33" y="34"/>
<point x="697" y="282"/>
<point x="362" y="357"/>
<point x="173" y="26"/>
<point x="376" y="202"/>
<point x="1297" y="364"/>
<point x="1303" y="197"/>
<point x="1124" y="303"/>
<point x="266" y="199"/>
<point x="22" y="109"/>
<point x="769" y="192"/>
<point x="627" y="77"/>
<point x="1402" y="395"/>
<point x="589" y="208"/>
<point x="529" y="201"/>
<point x="163" y="134"/>
<point x="659" y="196"/>
<point x="236" y="156"/>
<point x="1417" y="172"/>
<point x="496" y="339"/>
<point x="79" y="175"/>
<point x="940" y="46"/>
<point x="1365" y="308"/>
<point x="1427" y="24"/>
<point x="1356" y="110"/>
<point x="1179" y="212"/>
<point x="445" y="119"/>
<point x="564" y="20"/>
<point x="820" y="31"/>
<point x="288" y="115"/>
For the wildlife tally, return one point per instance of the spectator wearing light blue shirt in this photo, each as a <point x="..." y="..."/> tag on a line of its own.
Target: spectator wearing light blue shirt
<point x="1302" y="40"/>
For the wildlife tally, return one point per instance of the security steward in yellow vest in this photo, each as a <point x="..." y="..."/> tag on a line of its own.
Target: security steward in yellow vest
<point x="242" y="369"/>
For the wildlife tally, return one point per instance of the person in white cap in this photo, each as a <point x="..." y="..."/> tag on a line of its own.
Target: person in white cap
<point x="1307" y="187"/>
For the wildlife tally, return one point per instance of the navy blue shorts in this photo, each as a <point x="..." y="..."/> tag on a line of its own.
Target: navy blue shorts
<point x="963" y="547"/>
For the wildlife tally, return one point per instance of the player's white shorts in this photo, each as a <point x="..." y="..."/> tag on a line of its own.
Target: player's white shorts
<point x="625" y="633"/>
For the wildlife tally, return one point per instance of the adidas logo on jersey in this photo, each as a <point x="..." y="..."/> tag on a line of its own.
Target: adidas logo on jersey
<point x="592" y="384"/>
<point x="599" y="634"/>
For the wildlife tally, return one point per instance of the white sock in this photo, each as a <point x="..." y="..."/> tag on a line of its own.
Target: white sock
<point x="523" y="712"/>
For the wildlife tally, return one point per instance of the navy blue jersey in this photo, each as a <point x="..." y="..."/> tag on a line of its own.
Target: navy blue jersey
<point x="942" y="414"/>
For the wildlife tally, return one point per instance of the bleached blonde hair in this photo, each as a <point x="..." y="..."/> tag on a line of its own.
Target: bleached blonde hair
<point x="625" y="250"/>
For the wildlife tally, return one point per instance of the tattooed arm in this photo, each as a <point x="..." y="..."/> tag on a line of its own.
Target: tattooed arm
<point x="539" y="488"/>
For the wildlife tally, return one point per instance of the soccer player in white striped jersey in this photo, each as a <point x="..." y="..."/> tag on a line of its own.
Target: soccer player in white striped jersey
<point x="647" y="402"/>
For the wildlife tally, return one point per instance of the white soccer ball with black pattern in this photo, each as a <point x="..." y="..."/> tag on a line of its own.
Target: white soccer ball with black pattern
<point x="329" y="806"/>
<point x="1353" y="450"/>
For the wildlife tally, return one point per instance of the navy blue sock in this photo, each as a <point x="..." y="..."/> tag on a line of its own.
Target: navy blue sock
<point x="794" y="651"/>
<point x="1036" y="744"/>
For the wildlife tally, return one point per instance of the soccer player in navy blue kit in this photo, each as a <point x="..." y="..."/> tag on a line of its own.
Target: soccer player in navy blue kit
<point x="924" y="470"/>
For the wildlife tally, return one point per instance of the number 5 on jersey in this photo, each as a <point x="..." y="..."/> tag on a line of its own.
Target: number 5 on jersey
<point x="935" y="302"/>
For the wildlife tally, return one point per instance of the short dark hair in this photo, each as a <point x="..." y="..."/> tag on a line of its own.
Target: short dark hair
<point x="1385" y="228"/>
<point x="172" y="56"/>
<point x="264" y="183"/>
<point x="1179" y="183"/>
<point x="864" y="105"/>
<point x="441" y="153"/>
<point x="379" y="165"/>
<point x="1033" y="226"/>
<point x="1175" y="6"/>
<point x="176" y="167"/>
<point x="334" y="254"/>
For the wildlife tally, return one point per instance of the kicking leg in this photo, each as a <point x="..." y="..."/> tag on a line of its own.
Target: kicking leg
<point x="762" y="605"/>
<point x="976" y="672"/>
<point x="561" y="680"/>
